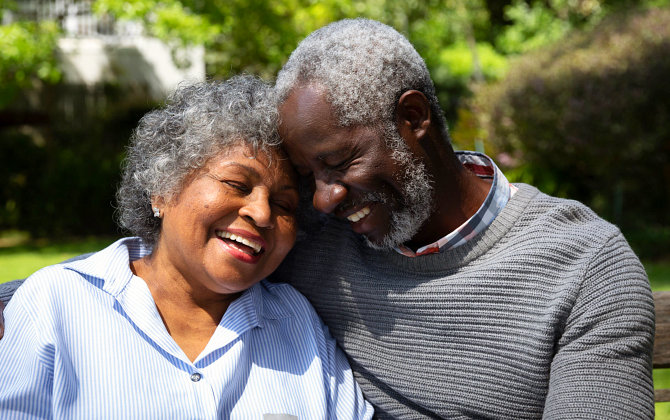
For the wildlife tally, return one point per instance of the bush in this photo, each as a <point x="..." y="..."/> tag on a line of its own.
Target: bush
<point x="61" y="157"/>
<point x="589" y="118"/>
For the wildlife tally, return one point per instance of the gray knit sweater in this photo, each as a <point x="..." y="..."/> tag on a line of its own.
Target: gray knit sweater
<point x="546" y="314"/>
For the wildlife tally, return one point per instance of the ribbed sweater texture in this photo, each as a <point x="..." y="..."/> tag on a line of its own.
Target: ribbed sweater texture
<point x="546" y="314"/>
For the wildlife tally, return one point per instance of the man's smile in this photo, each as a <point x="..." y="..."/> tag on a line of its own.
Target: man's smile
<point x="360" y="214"/>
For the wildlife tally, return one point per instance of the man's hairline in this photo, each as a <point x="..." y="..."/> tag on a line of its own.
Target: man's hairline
<point x="322" y="88"/>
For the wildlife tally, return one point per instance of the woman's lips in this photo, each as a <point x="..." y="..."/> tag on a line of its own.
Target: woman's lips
<point x="236" y="250"/>
<point x="242" y="245"/>
<point x="248" y="241"/>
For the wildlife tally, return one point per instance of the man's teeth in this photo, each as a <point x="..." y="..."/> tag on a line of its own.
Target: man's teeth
<point x="359" y="214"/>
<point x="244" y="241"/>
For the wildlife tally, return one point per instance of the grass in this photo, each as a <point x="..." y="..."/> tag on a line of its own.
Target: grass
<point x="659" y="274"/>
<point x="659" y="277"/>
<point x="20" y="257"/>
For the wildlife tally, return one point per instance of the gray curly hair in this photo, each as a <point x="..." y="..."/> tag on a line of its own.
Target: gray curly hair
<point x="198" y="122"/>
<point x="365" y="66"/>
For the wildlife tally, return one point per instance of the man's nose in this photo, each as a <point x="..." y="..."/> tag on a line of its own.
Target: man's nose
<point x="328" y="195"/>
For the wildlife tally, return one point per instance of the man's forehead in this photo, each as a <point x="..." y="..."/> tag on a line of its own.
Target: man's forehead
<point x="307" y="117"/>
<point x="307" y="99"/>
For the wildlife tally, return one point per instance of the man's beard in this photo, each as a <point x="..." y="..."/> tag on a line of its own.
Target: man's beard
<point x="416" y="194"/>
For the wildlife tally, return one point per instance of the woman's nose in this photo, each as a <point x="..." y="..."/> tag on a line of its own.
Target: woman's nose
<point x="258" y="209"/>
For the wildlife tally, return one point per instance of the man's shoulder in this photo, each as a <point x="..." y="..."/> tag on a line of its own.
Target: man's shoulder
<point x="566" y="217"/>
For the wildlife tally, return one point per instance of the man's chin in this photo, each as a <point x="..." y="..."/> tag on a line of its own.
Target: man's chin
<point x="373" y="237"/>
<point x="378" y="246"/>
<point x="388" y="241"/>
<point x="402" y="227"/>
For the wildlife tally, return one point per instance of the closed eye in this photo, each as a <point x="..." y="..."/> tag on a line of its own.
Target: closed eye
<point x="340" y="166"/>
<point x="239" y="186"/>
<point x="285" y="206"/>
<point x="340" y="161"/>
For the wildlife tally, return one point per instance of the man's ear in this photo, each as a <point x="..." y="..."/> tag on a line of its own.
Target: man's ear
<point x="413" y="115"/>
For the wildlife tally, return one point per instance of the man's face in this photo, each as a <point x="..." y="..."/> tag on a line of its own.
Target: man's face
<point x="386" y="195"/>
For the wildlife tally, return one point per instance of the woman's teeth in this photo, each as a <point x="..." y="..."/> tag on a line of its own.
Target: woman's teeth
<point x="244" y="241"/>
<point x="359" y="214"/>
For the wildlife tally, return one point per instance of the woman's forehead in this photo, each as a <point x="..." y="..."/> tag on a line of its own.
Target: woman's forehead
<point x="269" y="162"/>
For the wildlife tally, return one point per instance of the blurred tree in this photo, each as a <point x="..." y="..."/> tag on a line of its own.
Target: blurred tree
<point x="532" y="24"/>
<point x="464" y="43"/>
<point x="27" y="55"/>
<point x="588" y="118"/>
<point x="257" y="36"/>
<point x="461" y="40"/>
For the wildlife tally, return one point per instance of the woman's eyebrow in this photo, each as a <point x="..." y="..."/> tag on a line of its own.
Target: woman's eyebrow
<point x="253" y="171"/>
<point x="250" y="169"/>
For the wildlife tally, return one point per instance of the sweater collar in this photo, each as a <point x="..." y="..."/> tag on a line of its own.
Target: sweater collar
<point x="475" y="247"/>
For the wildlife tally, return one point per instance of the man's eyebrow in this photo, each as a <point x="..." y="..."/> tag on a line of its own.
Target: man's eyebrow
<point x="326" y="155"/>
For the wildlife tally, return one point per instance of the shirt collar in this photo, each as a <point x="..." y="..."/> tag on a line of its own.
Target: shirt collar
<point x="109" y="269"/>
<point x="499" y="194"/>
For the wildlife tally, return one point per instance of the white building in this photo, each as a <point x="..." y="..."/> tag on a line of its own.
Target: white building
<point x="97" y="50"/>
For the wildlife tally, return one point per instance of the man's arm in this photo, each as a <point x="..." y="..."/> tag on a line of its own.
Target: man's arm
<point x="26" y="365"/>
<point x="2" y="320"/>
<point x="602" y="367"/>
<point x="8" y="289"/>
<point x="6" y="292"/>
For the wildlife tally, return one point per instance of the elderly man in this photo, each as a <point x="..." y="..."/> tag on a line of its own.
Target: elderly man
<point x="454" y="293"/>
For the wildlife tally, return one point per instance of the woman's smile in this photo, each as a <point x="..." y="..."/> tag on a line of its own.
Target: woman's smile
<point x="242" y="245"/>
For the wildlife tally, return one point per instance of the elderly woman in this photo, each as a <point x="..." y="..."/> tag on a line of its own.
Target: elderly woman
<point x="178" y="321"/>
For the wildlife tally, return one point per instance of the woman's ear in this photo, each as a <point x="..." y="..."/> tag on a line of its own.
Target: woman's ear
<point x="413" y="117"/>
<point x="157" y="206"/>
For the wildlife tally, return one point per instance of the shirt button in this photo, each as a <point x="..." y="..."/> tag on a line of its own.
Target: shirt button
<point x="196" y="377"/>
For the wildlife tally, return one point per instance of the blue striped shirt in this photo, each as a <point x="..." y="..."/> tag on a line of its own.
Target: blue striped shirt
<point x="85" y="340"/>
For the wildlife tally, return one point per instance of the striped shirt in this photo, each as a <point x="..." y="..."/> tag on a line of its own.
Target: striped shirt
<point x="499" y="194"/>
<point x="85" y="340"/>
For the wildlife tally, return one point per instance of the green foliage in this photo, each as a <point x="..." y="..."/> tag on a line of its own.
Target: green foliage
<point x="27" y="55"/>
<point x="590" y="118"/>
<point x="652" y="242"/>
<point x="257" y="36"/>
<point x="59" y="176"/>
<point x="169" y="20"/>
<point x="533" y="26"/>
<point x="537" y="23"/>
<point x="456" y="61"/>
<point x="461" y="41"/>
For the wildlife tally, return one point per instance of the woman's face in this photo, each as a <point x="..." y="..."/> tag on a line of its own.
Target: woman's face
<point x="232" y="223"/>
